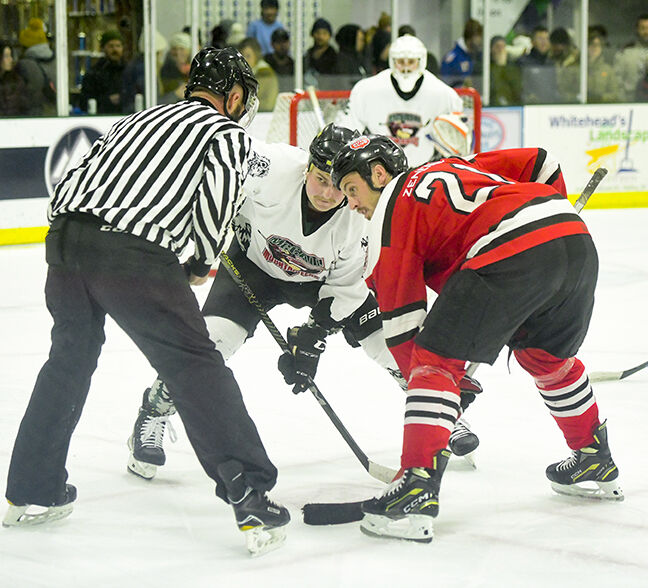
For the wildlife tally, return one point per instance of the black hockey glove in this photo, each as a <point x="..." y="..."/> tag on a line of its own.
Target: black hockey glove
<point x="306" y="344"/>
<point x="469" y="388"/>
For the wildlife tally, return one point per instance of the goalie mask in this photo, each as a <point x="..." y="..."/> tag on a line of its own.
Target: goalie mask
<point x="407" y="61"/>
<point x="217" y="70"/>
<point x="359" y="154"/>
<point x="327" y="143"/>
<point x="451" y="135"/>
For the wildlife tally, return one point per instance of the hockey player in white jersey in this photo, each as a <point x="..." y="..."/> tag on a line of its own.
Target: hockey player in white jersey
<point x="403" y="101"/>
<point x="298" y="243"/>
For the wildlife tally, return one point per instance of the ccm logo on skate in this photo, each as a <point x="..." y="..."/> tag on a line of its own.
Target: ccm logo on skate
<point x="417" y="501"/>
<point x="359" y="143"/>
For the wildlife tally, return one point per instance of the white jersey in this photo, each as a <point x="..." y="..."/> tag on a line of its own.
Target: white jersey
<point x="376" y="107"/>
<point x="271" y="227"/>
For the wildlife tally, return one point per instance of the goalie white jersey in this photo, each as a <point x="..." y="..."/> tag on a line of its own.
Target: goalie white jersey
<point x="272" y="227"/>
<point x="376" y="106"/>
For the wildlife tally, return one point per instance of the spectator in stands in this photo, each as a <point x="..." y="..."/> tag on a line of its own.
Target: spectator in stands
<point x="103" y="81"/>
<point x="133" y="82"/>
<point x="263" y="28"/>
<point x="220" y="33"/>
<point x="464" y="60"/>
<point x="280" y="59"/>
<point x="14" y="100"/>
<point x="631" y="63"/>
<point x="265" y="75"/>
<point x="539" y="85"/>
<point x="506" y="80"/>
<point x="601" y="84"/>
<point x="566" y="57"/>
<point x="175" y="69"/>
<point x="37" y="67"/>
<point x="377" y="43"/>
<point x="432" y="62"/>
<point x="350" y="39"/>
<point x="321" y="57"/>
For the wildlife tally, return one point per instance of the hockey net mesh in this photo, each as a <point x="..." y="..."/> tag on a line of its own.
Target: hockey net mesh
<point x="295" y="121"/>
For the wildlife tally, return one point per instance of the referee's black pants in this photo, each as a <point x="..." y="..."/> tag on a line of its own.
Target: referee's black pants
<point x="94" y="271"/>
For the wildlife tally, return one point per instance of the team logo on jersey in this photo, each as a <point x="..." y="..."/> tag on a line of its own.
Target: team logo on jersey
<point x="291" y="258"/>
<point x="66" y="153"/>
<point x="258" y="165"/>
<point x="359" y="143"/>
<point x="403" y="126"/>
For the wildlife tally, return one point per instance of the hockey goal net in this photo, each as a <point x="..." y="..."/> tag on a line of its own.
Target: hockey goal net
<point x="296" y="119"/>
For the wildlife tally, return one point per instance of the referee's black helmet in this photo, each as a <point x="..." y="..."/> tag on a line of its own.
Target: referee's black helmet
<point x="359" y="154"/>
<point x="217" y="70"/>
<point x="327" y="143"/>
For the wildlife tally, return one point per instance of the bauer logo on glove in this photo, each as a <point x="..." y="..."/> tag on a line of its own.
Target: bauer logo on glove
<point x="299" y="365"/>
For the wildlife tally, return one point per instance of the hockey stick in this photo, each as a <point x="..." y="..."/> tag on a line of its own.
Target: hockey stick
<point x="379" y="472"/>
<point x="614" y="376"/>
<point x="316" y="107"/>
<point x="589" y="189"/>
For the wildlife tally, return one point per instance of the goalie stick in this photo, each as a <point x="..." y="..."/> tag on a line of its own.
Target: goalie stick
<point x="336" y="513"/>
<point x="377" y="471"/>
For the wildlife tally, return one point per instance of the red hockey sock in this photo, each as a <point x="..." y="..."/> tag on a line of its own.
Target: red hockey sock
<point x="566" y="391"/>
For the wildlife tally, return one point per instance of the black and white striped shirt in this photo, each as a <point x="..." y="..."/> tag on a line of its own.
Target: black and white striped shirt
<point x="168" y="174"/>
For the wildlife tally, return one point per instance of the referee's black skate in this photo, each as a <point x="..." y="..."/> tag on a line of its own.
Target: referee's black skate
<point x="25" y="515"/>
<point x="589" y="472"/>
<point x="408" y="505"/>
<point x="262" y="520"/>
<point x="146" y="442"/>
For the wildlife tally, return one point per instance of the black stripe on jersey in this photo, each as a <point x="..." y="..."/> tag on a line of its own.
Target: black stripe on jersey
<point x="533" y="202"/>
<point x="430" y="415"/>
<point x="567" y="395"/>
<point x="402" y="338"/>
<point x="436" y="400"/>
<point x="553" y="177"/>
<point x="572" y="406"/>
<point x="389" y="211"/>
<point x="407" y="308"/>
<point x="528" y="228"/>
<point x="537" y="166"/>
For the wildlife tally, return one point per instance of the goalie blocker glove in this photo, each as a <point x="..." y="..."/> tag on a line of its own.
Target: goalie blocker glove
<point x="299" y="365"/>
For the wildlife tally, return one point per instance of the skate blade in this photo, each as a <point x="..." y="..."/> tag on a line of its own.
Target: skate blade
<point x="470" y="460"/>
<point x="262" y="540"/>
<point x="137" y="467"/>
<point x="418" y="528"/>
<point x="18" y="516"/>
<point x="596" y="490"/>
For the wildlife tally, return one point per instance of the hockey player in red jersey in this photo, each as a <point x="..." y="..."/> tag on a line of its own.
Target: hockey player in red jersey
<point x="513" y="264"/>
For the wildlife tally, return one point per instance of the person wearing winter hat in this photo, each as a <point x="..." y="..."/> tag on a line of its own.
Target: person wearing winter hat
<point x="103" y="81"/>
<point x="175" y="70"/>
<point x="321" y="57"/>
<point x="37" y="66"/>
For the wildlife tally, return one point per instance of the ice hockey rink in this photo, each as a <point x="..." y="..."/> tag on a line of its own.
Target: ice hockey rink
<point x="500" y="525"/>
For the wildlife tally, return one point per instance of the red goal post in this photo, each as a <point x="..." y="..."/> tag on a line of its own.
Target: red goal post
<point x="295" y="120"/>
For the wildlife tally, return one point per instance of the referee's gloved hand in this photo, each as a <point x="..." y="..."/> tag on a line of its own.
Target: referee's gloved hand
<point x="306" y="344"/>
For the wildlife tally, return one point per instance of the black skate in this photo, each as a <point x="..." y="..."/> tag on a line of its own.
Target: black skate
<point x="589" y="472"/>
<point x="262" y="520"/>
<point x="25" y="515"/>
<point x="463" y="442"/>
<point x="146" y="442"/>
<point x="407" y="506"/>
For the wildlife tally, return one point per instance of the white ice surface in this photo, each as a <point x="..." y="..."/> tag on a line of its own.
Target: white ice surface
<point x="499" y="526"/>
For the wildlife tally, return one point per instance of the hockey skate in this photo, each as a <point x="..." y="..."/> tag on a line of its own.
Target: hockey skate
<point x="26" y="515"/>
<point x="588" y="472"/>
<point x="408" y="505"/>
<point x="146" y="442"/>
<point x="463" y="442"/>
<point x="262" y="521"/>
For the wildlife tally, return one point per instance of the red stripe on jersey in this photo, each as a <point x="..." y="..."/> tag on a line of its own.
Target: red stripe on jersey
<point x="524" y="242"/>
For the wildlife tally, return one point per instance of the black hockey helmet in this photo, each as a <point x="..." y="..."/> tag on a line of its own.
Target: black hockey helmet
<point x="327" y="143"/>
<point x="217" y="70"/>
<point x="359" y="154"/>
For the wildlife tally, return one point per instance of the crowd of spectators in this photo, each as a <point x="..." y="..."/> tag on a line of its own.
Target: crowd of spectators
<point x="541" y="67"/>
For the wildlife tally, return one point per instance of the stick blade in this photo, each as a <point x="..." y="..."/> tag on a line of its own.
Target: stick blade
<point x="332" y="513"/>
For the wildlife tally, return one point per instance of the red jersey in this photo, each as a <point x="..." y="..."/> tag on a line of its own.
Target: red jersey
<point x="458" y="214"/>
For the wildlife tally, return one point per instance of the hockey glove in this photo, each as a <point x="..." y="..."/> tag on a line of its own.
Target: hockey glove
<point x="299" y="365"/>
<point x="469" y="389"/>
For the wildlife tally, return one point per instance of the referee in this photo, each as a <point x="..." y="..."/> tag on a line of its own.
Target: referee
<point x="118" y="222"/>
